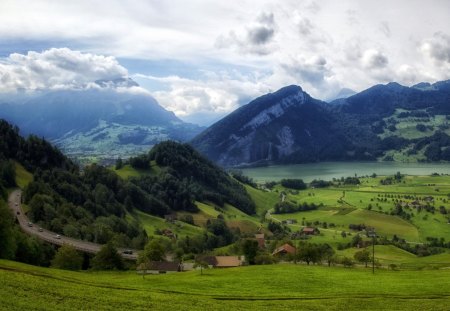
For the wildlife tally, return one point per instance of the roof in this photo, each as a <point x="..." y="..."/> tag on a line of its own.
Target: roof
<point x="160" y="266"/>
<point x="228" y="261"/>
<point x="223" y="261"/>
<point x="284" y="249"/>
<point x="259" y="236"/>
<point x="307" y="229"/>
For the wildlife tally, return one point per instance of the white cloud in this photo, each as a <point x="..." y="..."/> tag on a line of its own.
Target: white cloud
<point x="322" y="46"/>
<point x="57" y="69"/>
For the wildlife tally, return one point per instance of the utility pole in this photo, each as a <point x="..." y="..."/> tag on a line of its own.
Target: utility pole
<point x="372" y="234"/>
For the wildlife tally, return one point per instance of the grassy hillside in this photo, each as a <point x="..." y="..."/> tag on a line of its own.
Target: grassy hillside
<point x="280" y="287"/>
<point x="373" y="204"/>
<point x="23" y="177"/>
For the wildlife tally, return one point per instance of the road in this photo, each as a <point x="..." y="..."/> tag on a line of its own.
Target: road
<point x="14" y="203"/>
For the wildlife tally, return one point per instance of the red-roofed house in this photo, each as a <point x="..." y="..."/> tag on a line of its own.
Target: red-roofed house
<point x="284" y="249"/>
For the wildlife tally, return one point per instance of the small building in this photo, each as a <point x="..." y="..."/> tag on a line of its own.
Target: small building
<point x="224" y="261"/>
<point x="284" y="249"/>
<point x="289" y="221"/>
<point x="158" y="267"/>
<point x="309" y="231"/>
<point x="261" y="240"/>
<point x="428" y="199"/>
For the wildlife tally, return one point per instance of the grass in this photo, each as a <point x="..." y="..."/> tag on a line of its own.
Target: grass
<point x="152" y="223"/>
<point x="278" y="287"/>
<point x="127" y="171"/>
<point x="23" y="177"/>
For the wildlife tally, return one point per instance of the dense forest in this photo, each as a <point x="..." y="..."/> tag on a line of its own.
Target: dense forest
<point x="95" y="204"/>
<point x="188" y="176"/>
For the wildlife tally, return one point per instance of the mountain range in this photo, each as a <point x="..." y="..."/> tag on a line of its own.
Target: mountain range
<point x="384" y="122"/>
<point x="106" y="122"/>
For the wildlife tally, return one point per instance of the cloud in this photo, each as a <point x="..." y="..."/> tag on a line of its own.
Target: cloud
<point x="57" y="69"/>
<point x="253" y="39"/>
<point x="374" y="59"/>
<point x="437" y="48"/>
<point x="205" y="100"/>
<point x="385" y="29"/>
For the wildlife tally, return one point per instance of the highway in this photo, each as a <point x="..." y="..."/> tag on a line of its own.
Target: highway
<point x="14" y="203"/>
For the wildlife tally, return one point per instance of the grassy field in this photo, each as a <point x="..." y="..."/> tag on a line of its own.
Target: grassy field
<point x="23" y="177"/>
<point x="348" y="204"/>
<point x="279" y="287"/>
<point x="152" y="223"/>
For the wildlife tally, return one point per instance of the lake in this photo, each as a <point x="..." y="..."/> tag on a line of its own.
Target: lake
<point x="330" y="170"/>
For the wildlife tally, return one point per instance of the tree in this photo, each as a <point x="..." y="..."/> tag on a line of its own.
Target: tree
<point x="328" y="253"/>
<point x="200" y="262"/>
<point x="67" y="258"/>
<point x="107" y="259"/>
<point x="119" y="163"/>
<point x="7" y="237"/>
<point x="308" y="253"/>
<point x="153" y="251"/>
<point x="297" y="184"/>
<point x="250" y="249"/>
<point x="362" y="256"/>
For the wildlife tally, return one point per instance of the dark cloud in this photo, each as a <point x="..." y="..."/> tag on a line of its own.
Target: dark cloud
<point x="312" y="71"/>
<point x="260" y="35"/>
<point x="255" y="37"/>
<point x="374" y="59"/>
<point x="438" y="47"/>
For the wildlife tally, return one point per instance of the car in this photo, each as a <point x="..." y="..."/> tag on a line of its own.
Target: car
<point x="16" y="204"/>
<point x="128" y="252"/>
<point x="57" y="236"/>
<point x="40" y="229"/>
<point x="18" y="213"/>
<point x="30" y="224"/>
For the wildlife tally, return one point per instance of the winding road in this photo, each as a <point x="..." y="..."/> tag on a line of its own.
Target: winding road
<point x="14" y="203"/>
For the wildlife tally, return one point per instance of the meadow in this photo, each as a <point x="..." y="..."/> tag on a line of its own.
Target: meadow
<point x="276" y="287"/>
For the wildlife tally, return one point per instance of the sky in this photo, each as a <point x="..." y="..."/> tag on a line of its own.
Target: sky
<point x="202" y="59"/>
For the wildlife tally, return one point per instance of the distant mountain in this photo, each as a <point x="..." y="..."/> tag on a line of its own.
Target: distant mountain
<point x="389" y="122"/>
<point x="104" y="123"/>
<point x="275" y="127"/>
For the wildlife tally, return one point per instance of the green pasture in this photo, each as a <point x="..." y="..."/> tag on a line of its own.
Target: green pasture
<point x="152" y="223"/>
<point x="277" y="287"/>
<point x="23" y="177"/>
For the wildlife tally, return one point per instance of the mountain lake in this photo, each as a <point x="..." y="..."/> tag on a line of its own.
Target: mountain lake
<point x="330" y="170"/>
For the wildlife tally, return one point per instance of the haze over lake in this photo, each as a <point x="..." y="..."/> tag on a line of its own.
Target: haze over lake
<point x="330" y="170"/>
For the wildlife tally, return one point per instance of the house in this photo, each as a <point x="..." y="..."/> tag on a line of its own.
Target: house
<point x="309" y="231"/>
<point x="284" y="249"/>
<point x="224" y="261"/>
<point x="289" y="221"/>
<point x="157" y="267"/>
<point x="261" y="240"/>
<point x="428" y="199"/>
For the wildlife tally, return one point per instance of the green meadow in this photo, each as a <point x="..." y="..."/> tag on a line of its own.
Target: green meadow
<point x="280" y="287"/>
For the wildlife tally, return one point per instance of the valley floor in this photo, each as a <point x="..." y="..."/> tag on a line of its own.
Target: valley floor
<point x="277" y="287"/>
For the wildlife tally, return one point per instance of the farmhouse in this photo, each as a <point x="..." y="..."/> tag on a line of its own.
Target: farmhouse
<point x="157" y="267"/>
<point x="309" y="231"/>
<point x="224" y="261"/>
<point x="284" y="249"/>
